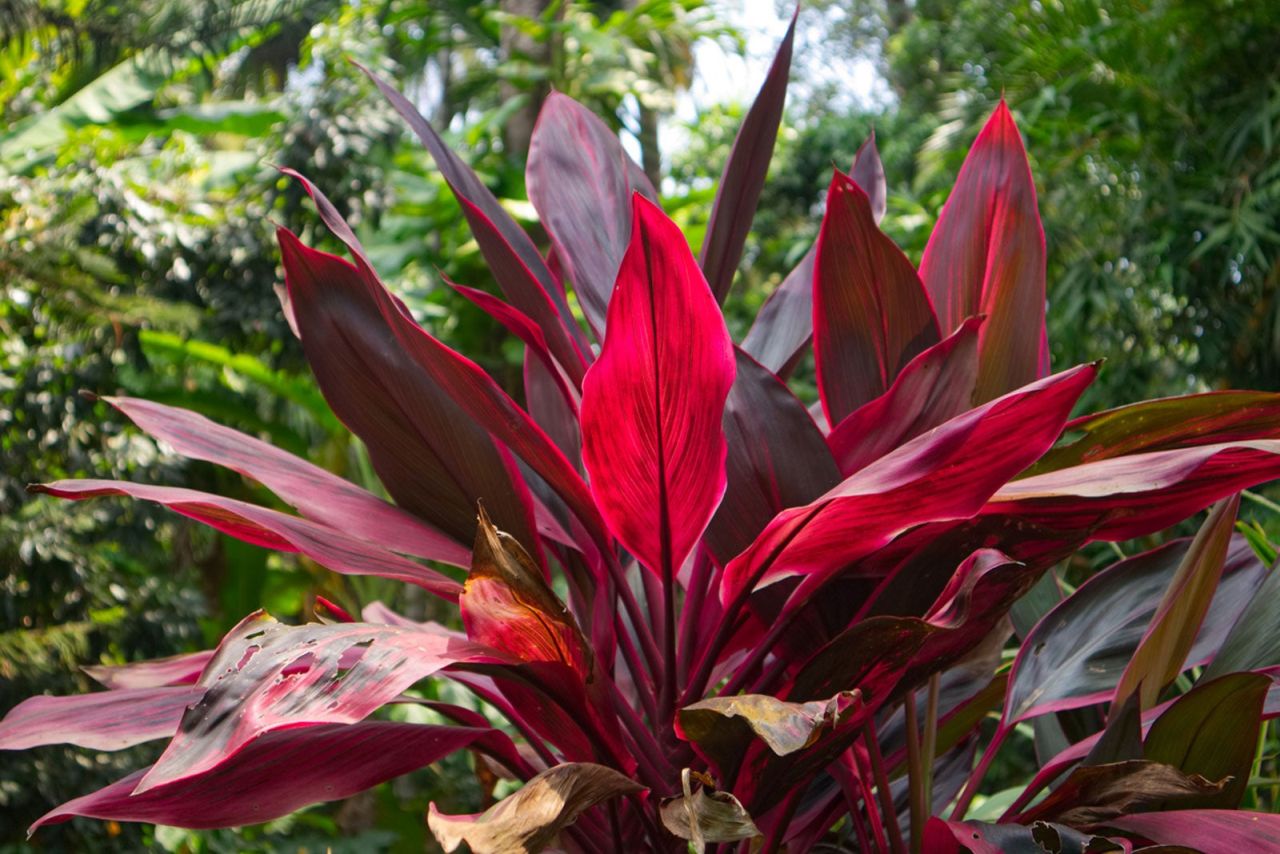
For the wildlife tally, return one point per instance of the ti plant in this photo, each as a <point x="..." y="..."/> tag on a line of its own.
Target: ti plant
<point x="694" y="612"/>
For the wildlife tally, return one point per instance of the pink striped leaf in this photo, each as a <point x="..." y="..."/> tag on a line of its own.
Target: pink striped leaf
<point x="274" y="775"/>
<point x="314" y="492"/>
<point x="652" y="404"/>
<point x="740" y="185"/>
<point x="181" y="669"/>
<point x="871" y="315"/>
<point x="1205" y="830"/>
<point x="934" y="387"/>
<point x="103" y="720"/>
<point x="577" y="179"/>
<point x="986" y="256"/>
<point x="942" y="475"/>
<point x="270" y="529"/>
<point x="267" y="676"/>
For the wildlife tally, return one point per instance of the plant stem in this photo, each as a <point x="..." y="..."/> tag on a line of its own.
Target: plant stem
<point x="874" y="817"/>
<point x="915" y="774"/>
<point x="690" y="617"/>
<point x="929" y="745"/>
<point x="975" y="779"/>
<point x="882" y="788"/>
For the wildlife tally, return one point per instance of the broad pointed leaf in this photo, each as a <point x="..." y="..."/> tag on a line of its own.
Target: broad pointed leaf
<point x="934" y="387"/>
<point x="776" y="459"/>
<point x="270" y="529"/>
<point x="1254" y="639"/>
<point x="103" y="720"/>
<point x="578" y="181"/>
<point x="267" y="676"/>
<point x="744" y="173"/>
<point x="550" y="409"/>
<point x="784" y="325"/>
<point x="1075" y="655"/>
<point x="314" y="492"/>
<point x="275" y="775"/>
<point x="1093" y="795"/>
<point x="181" y="669"/>
<point x="704" y="815"/>
<point x="1160" y="654"/>
<point x="529" y="820"/>
<point x="986" y="256"/>
<point x="507" y="605"/>
<point x="871" y="315"/>
<point x="652" y="403"/>
<point x="1206" y="830"/>
<point x="516" y="264"/>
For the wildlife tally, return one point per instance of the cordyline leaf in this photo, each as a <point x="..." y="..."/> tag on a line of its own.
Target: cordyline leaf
<point x="105" y="720"/>
<point x="314" y="492"/>
<point x="978" y="837"/>
<point x="777" y="458"/>
<point x="550" y="409"/>
<point x="871" y="315"/>
<point x="1075" y="655"/>
<point x="712" y="725"/>
<point x="1205" y="830"/>
<point x="1254" y="639"/>
<point x="744" y="173"/>
<point x="701" y="818"/>
<point x="514" y="260"/>
<point x="941" y="475"/>
<point x="181" y="669"/>
<point x="1212" y="730"/>
<point x="507" y="605"/>
<point x="986" y="256"/>
<point x="1172" y="422"/>
<point x="434" y="459"/>
<point x="784" y="325"/>
<point x="267" y="676"/>
<point x="527" y="822"/>
<point x="1094" y="795"/>
<point x="275" y="775"/>
<point x="578" y="181"/>
<point x="1139" y="494"/>
<point x="1160" y="654"/>
<point x="446" y="372"/>
<point x="933" y="388"/>
<point x="652" y="403"/>
<point x="270" y="529"/>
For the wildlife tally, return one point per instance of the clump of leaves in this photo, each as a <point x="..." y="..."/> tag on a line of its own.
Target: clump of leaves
<point x="694" y="611"/>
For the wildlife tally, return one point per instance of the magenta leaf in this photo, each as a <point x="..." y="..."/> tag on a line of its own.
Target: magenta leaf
<point x="986" y="256"/>
<point x="941" y="475"/>
<point x="978" y="837"/>
<point x="104" y="720"/>
<point x="652" y="403"/>
<point x="744" y="173"/>
<point x="871" y="315"/>
<point x="181" y="669"/>
<point x="776" y="459"/>
<point x="516" y="264"/>
<point x="270" y="529"/>
<point x="578" y="181"/>
<point x="274" y="775"/>
<point x="314" y="492"/>
<point x="784" y="325"/>
<point x="934" y="387"/>
<point x="1206" y="830"/>
<point x="267" y="676"/>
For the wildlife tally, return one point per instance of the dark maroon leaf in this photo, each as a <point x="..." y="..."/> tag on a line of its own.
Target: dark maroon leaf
<point x="550" y="409"/>
<point x="1206" y="830"/>
<point x="267" y="676"/>
<point x="986" y="256"/>
<point x="744" y="174"/>
<point x="934" y="387"/>
<point x="314" y="492"/>
<point x="104" y="720"/>
<point x="270" y="529"/>
<point x="978" y="837"/>
<point x="1093" y="795"/>
<point x="529" y="820"/>
<point x="776" y="458"/>
<point x="274" y="775"/>
<point x="868" y="173"/>
<point x="871" y="315"/>
<point x="578" y="181"/>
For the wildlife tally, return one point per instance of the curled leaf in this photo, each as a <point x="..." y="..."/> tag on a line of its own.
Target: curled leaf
<point x="1091" y="795"/>
<point x="701" y="817"/>
<point x="784" y="727"/>
<point x="527" y="821"/>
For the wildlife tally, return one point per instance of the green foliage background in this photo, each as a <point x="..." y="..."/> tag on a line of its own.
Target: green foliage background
<point x="138" y="196"/>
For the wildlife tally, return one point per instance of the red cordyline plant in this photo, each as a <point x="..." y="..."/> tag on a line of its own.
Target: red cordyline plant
<point x="693" y="612"/>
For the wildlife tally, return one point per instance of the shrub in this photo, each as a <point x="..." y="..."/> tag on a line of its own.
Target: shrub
<point x="700" y="612"/>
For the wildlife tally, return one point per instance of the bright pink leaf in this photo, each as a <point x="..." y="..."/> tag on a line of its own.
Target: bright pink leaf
<point x="270" y="529"/>
<point x="652" y="403"/>
<point x="871" y="315"/>
<point x="181" y="669"/>
<point x="986" y="256"/>
<point x="103" y="720"/>
<point x="275" y="775"/>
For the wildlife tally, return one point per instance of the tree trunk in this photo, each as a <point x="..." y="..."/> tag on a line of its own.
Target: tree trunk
<point x="519" y="46"/>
